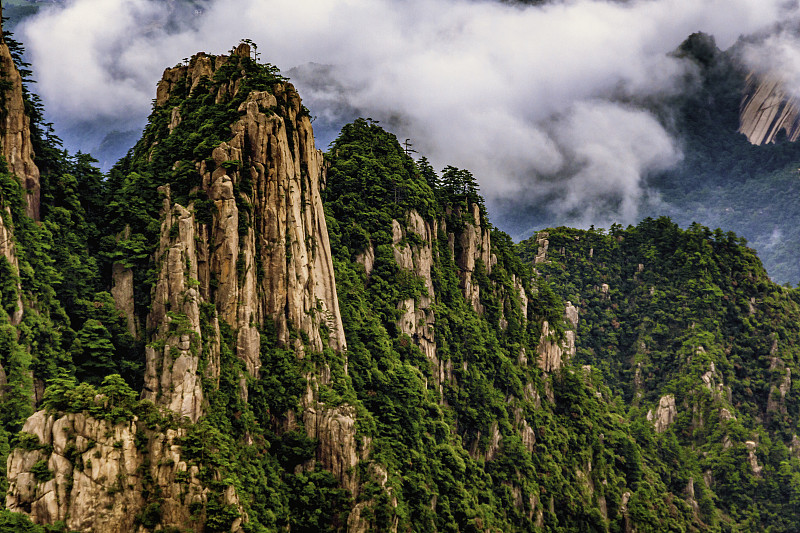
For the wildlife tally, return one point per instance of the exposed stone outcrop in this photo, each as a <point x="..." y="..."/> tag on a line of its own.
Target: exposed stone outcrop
<point x="367" y="258"/>
<point x="357" y="522"/>
<point x="173" y="355"/>
<point x="493" y="446"/>
<point x="339" y="450"/>
<point x="474" y="243"/>
<point x="776" y="402"/>
<point x="100" y="476"/>
<point x="15" y="143"/>
<point x="280" y="266"/>
<point x="418" y="319"/>
<point x="122" y="292"/>
<point x="122" y="289"/>
<point x="543" y="244"/>
<point x="261" y="253"/>
<point x="767" y="108"/>
<point x="552" y="351"/>
<point x="665" y="413"/>
<point x="15" y="131"/>
<point x="751" y="457"/>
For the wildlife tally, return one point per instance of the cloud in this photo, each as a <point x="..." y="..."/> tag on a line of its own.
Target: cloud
<point x="525" y="97"/>
<point x="777" y="53"/>
<point x="610" y="147"/>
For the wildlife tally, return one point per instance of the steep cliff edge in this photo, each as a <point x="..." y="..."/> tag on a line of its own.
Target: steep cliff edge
<point x="264" y="252"/>
<point x="223" y="193"/>
<point x="15" y="130"/>
<point x="17" y="150"/>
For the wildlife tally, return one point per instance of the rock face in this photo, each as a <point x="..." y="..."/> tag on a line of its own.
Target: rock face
<point x="9" y="252"/>
<point x="15" y="143"/>
<point x="751" y="457"/>
<point x="279" y="266"/>
<point x="767" y="109"/>
<point x="543" y="243"/>
<point x="474" y="244"/>
<point x="553" y="352"/>
<point x="665" y="413"/>
<point x="98" y="475"/>
<point x="256" y="251"/>
<point x="338" y="450"/>
<point x="265" y="255"/>
<point x="417" y="320"/>
<point x="171" y="377"/>
<point x="776" y="402"/>
<point x="15" y="131"/>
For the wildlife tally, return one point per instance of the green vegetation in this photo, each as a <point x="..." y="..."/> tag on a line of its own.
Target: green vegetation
<point x="457" y="443"/>
<point x="454" y="422"/>
<point x="723" y="180"/>
<point x="692" y="313"/>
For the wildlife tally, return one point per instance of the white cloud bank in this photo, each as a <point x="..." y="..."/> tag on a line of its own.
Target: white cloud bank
<point x="518" y="95"/>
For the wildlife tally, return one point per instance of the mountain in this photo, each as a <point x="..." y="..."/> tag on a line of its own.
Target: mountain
<point x="233" y="331"/>
<point x="767" y="110"/>
<point x="734" y="128"/>
<point x="724" y="179"/>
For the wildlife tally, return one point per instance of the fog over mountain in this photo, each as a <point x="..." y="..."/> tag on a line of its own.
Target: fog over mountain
<point x="539" y="102"/>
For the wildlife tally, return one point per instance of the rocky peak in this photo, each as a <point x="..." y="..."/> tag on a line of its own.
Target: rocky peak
<point x="242" y="248"/>
<point x="555" y="350"/>
<point x="262" y="251"/>
<point x="665" y="413"/>
<point x="474" y="244"/>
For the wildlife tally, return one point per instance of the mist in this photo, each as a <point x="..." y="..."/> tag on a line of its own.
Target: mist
<point x="538" y="101"/>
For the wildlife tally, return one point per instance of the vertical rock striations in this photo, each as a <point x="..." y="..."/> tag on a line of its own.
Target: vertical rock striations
<point x="9" y="254"/>
<point x="15" y="130"/>
<point x="474" y="244"/>
<point x="767" y="108"/>
<point x="257" y="250"/>
<point x="417" y="318"/>
<point x="554" y="351"/>
<point x="15" y="143"/>
<point x="267" y="255"/>
<point x="173" y="356"/>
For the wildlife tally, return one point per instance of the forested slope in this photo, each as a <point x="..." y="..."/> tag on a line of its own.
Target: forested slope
<point x="687" y="328"/>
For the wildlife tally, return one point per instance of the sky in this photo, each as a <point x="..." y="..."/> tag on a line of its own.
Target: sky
<point x="536" y="101"/>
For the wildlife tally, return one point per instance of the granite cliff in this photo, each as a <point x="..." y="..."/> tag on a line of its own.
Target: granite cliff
<point x="15" y="130"/>
<point x="253" y="254"/>
<point x="768" y="109"/>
